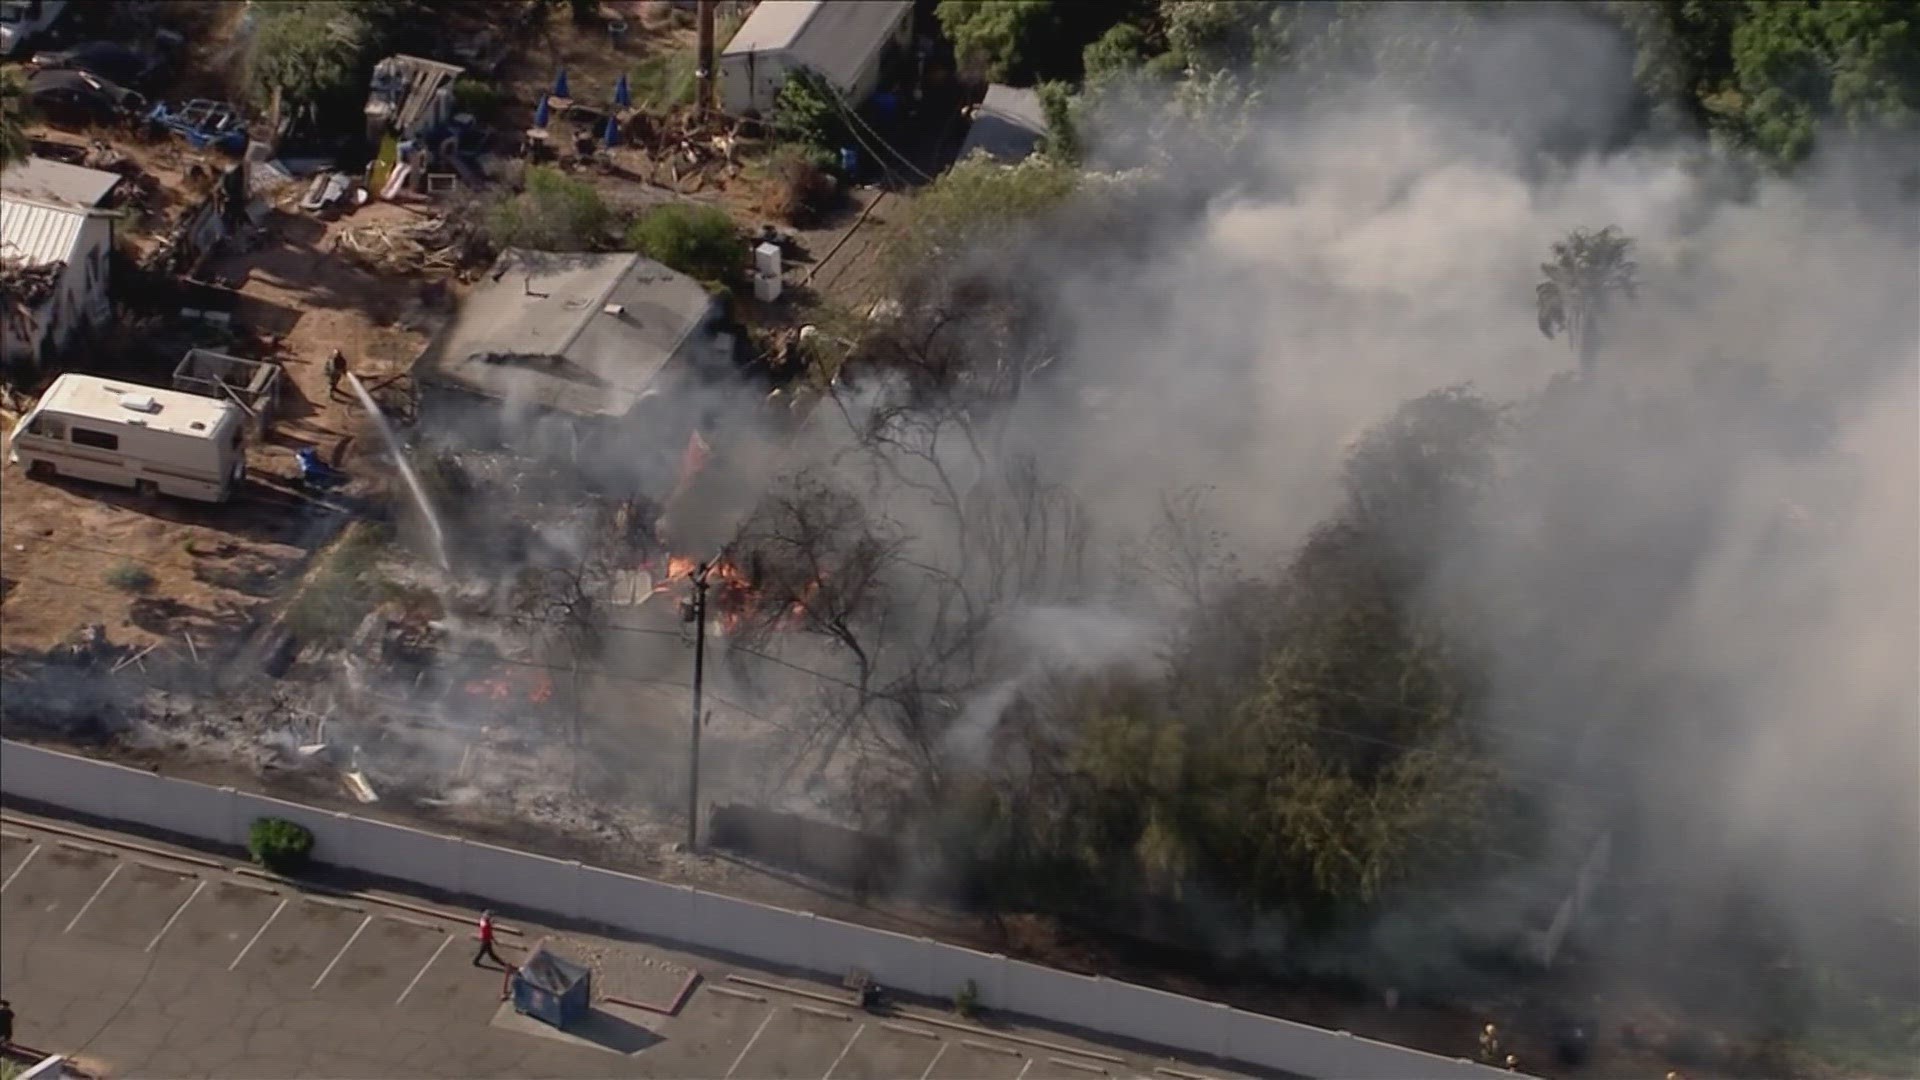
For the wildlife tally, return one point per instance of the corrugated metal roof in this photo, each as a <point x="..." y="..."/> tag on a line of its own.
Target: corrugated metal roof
<point x="45" y="181"/>
<point x="36" y="234"/>
<point x="834" y="37"/>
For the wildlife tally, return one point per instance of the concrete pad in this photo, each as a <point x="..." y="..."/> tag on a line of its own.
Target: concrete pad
<point x="884" y="1053"/>
<point x="711" y="1033"/>
<point x="382" y="960"/>
<point x="51" y="890"/>
<point x="961" y="1061"/>
<point x="299" y="945"/>
<point x="797" y="1044"/>
<point x="602" y="1029"/>
<point x="132" y="909"/>
<point x="217" y="924"/>
<point x="448" y="982"/>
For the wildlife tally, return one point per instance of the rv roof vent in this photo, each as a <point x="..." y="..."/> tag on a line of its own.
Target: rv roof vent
<point x="141" y="403"/>
<point x="197" y="426"/>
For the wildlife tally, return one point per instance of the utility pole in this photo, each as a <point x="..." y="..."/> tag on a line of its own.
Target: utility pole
<point x="699" y="667"/>
<point x="703" y="101"/>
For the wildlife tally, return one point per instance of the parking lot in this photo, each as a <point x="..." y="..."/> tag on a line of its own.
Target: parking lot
<point x="146" y="965"/>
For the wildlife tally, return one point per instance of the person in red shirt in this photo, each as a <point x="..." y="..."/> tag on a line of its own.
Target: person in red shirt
<point x="486" y="941"/>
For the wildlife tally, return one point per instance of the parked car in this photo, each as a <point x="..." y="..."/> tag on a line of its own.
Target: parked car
<point x="69" y="97"/>
<point x="23" y="20"/>
<point x="110" y="60"/>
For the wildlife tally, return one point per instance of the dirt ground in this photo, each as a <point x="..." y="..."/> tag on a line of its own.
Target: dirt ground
<point x="78" y="554"/>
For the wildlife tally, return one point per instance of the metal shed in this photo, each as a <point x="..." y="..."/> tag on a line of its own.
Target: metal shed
<point x="254" y="385"/>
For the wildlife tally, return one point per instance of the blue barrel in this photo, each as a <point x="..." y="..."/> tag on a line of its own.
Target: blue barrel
<point x="849" y="161"/>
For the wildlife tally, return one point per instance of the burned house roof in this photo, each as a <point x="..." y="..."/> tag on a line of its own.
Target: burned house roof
<point x="577" y="333"/>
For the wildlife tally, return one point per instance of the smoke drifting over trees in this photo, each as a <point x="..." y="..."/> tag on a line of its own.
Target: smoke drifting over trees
<point x="1436" y="604"/>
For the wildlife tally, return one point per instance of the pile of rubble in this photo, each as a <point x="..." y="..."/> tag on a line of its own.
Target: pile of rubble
<point x="440" y="243"/>
<point x="680" y="151"/>
<point x="26" y="285"/>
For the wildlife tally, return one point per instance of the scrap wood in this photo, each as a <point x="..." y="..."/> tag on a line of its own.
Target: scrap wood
<point x="134" y="659"/>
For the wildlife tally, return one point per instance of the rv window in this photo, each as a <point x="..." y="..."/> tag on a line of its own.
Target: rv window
<point x="98" y="439"/>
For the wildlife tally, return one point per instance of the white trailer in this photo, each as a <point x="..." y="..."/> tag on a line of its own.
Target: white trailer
<point x="152" y="440"/>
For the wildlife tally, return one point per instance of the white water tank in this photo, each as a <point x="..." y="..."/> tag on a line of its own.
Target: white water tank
<point x="766" y="287"/>
<point x="766" y="260"/>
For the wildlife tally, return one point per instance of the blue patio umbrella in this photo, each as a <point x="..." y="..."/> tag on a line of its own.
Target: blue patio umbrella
<point x="612" y="135"/>
<point x="541" y="114"/>
<point x="622" y="93"/>
<point x="560" y="85"/>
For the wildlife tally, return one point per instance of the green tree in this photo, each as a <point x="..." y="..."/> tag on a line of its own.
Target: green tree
<point x="1062" y="141"/>
<point x="1027" y="41"/>
<point x="976" y="198"/>
<point x="699" y="241"/>
<point x="1801" y="64"/>
<point x="1124" y="47"/>
<point x="555" y="212"/>
<point x="14" y="144"/>
<point x="1589" y="270"/>
<point x="315" y="54"/>
<point x="1222" y="35"/>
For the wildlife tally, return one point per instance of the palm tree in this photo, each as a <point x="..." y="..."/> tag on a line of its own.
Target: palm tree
<point x="13" y="117"/>
<point x="1588" y="269"/>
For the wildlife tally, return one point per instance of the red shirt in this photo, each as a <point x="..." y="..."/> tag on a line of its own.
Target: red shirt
<point x="486" y="929"/>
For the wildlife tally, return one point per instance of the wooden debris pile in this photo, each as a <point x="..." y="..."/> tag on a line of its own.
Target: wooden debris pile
<point x="26" y="285"/>
<point x="440" y="243"/>
<point x="681" y="151"/>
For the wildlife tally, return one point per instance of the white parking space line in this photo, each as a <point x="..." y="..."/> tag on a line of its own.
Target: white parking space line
<point x="828" y="1075"/>
<point x="22" y="866"/>
<point x="341" y="953"/>
<point x="117" y="867"/>
<point x="248" y="947"/>
<point x="176" y="914"/>
<point x="444" y="942"/>
<point x="937" y="1055"/>
<point x="745" y="1050"/>
<point x="1023" y="1070"/>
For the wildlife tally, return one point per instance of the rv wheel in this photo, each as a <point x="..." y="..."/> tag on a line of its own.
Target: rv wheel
<point x="146" y="489"/>
<point x="41" y="470"/>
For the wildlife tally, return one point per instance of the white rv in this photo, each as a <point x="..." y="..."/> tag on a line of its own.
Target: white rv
<point x="141" y="437"/>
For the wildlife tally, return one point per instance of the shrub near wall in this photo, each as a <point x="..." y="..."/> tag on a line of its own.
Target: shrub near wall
<point x="279" y="845"/>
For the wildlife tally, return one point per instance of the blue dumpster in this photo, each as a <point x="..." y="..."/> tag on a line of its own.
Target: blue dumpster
<point x="550" y="988"/>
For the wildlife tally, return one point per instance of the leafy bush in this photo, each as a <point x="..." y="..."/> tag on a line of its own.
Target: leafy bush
<point x="807" y="112"/>
<point x="478" y="98"/>
<point x="279" y="845"/>
<point x="699" y="241"/>
<point x="130" y="577"/>
<point x="554" y="213"/>
<point x="966" y="1002"/>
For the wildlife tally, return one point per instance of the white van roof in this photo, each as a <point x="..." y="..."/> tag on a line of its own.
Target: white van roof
<point x="118" y="401"/>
